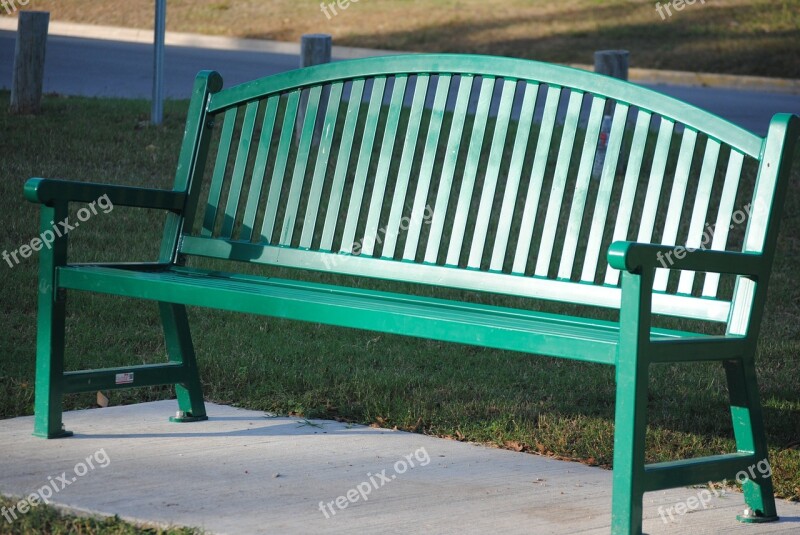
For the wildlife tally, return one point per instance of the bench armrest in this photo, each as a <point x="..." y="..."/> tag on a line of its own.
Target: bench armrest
<point x="47" y="191"/>
<point x="634" y="257"/>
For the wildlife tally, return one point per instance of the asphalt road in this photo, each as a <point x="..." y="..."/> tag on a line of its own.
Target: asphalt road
<point x="92" y="67"/>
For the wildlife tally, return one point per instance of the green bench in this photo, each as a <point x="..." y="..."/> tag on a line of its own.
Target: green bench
<point x="469" y="173"/>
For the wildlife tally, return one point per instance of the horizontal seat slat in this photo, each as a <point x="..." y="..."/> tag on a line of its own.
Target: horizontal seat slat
<point x="454" y="321"/>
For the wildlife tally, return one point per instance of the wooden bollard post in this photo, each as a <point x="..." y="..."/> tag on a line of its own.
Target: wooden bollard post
<point x="315" y="49"/>
<point x="28" y="75"/>
<point x="612" y="63"/>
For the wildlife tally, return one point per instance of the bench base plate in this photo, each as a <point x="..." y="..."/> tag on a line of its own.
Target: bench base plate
<point x="181" y="417"/>
<point x="750" y="517"/>
<point x="58" y="434"/>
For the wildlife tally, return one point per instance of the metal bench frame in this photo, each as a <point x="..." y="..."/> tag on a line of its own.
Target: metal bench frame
<point x="364" y="113"/>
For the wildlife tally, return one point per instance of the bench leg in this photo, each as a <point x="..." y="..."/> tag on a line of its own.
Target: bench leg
<point x="181" y="350"/>
<point x="49" y="393"/>
<point x="630" y="424"/>
<point x="748" y="428"/>
<point x="50" y="318"/>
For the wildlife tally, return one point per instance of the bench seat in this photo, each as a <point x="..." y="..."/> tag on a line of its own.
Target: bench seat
<point x="554" y="335"/>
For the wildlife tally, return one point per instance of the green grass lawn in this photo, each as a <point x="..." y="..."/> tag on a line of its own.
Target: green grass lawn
<point x="550" y="406"/>
<point x="755" y="37"/>
<point x="46" y="519"/>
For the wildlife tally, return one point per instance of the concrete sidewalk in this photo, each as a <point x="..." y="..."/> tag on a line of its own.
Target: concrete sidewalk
<point x="246" y="472"/>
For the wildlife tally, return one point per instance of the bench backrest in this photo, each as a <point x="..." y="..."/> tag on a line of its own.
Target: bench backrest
<point x="473" y="172"/>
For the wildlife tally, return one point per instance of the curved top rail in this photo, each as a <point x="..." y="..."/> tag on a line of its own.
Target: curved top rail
<point x="500" y="67"/>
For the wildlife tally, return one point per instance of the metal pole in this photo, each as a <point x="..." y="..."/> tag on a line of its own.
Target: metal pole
<point x="157" y="111"/>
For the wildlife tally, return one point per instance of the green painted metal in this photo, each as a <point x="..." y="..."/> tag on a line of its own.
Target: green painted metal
<point x="630" y="344"/>
<point x="656" y="179"/>
<point x="498" y="67"/>
<point x="321" y="166"/>
<point x="259" y="169"/>
<point x="51" y="314"/>
<point x="50" y="191"/>
<point x="239" y="167"/>
<point x="603" y="200"/>
<point x="675" y="207"/>
<point x="371" y="231"/>
<point x="550" y="227"/>
<point x="191" y="163"/>
<point x="630" y="419"/>
<point x="490" y="180"/>
<point x="724" y="213"/>
<point x="537" y="177"/>
<point x="576" y="213"/>
<point x="470" y="170"/>
<point x="687" y="472"/>
<point x="404" y="170"/>
<point x="281" y="160"/>
<point x="220" y="170"/>
<point x="627" y="197"/>
<point x="362" y="168"/>
<point x="300" y="165"/>
<point x="448" y="169"/>
<point x="512" y="180"/>
<point x="510" y="284"/>
<point x="180" y="349"/>
<point x="700" y="209"/>
<point x="342" y="162"/>
<point x="497" y="327"/>
<point x="426" y="167"/>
